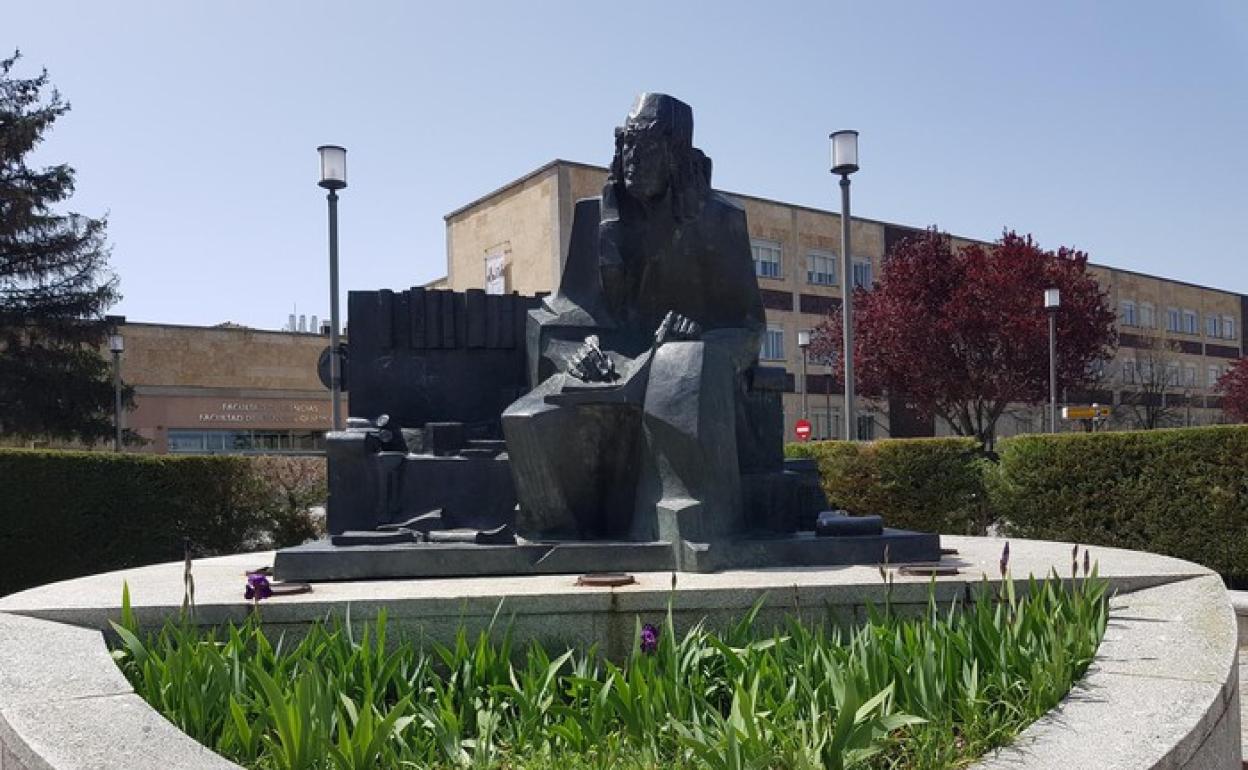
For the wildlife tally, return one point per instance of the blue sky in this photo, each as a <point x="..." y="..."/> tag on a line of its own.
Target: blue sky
<point x="1117" y="127"/>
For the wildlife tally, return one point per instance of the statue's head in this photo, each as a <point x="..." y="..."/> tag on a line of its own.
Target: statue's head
<point x="654" y="153"/>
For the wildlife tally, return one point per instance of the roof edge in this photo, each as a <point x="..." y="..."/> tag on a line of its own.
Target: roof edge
<point x="540" y="170"/>
<point x="801" y="207"/>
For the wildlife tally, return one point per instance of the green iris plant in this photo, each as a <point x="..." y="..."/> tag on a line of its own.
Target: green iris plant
<point x="929" y="688"/>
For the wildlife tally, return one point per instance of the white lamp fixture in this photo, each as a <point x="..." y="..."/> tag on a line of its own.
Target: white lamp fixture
<point x="116" y="343"/>
<point x="844" y="152"/>
<point x="803" y="339"/>
<point x="1052" y="299"/>
<point x="333" y="166"/>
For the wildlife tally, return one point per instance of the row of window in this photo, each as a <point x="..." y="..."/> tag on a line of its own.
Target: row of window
<point x="825" y="425"/>
<point x="1173" y="375"/>
<point x="1133" y="372"/>
<point x="1178" y="320"/>
<point x="245" y="441"/>
<point x="821" y="266"/>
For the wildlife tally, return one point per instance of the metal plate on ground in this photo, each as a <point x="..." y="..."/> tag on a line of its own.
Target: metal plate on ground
<point x="927" y="570"/>
<point x="607" y="579"/>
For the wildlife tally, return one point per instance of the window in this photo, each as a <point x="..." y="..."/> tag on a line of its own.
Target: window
<point x="1148" y="316"/>
<point x="866" y="427"/>
<point x="1213" y="326"/>
<point x="1172" y="374"/>
<point x="1096" y="369"/>
<point x="275" y="441"/>
<point x="1128" y="371"/>
<point x="766" y="258"/>
<point x="1189" y="376"/>
<point x="773" y="344"/>
<point x="186" y="441"/>
<point x="821" y="268"/>
<point x="1128" y="314"/>
<point x="1214" y="373"/>
<point x="825" y="424"/>
<point x="1172" y="319"/>
<point x="1144" y="371"/>
<point x="1228" y="327"/>
<point x="1190" y="323"/>
<point x="862" y="274"/>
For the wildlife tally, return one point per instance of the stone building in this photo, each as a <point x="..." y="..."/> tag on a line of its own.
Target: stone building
<point x="224" y="389"/>
<point x="1176" y="338"/>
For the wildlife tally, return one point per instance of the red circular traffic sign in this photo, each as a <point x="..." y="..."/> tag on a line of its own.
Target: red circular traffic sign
<point x="803" y="430"/>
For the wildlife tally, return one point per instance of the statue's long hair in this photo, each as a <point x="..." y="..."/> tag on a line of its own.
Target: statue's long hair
<point x="689" y="177"/>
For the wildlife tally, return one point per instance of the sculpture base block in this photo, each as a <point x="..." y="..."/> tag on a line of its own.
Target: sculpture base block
<point x="322" y="561"/>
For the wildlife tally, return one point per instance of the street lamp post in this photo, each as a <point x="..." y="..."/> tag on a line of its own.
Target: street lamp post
<point x="334" y="178"/>
<point x="803" y="342"/>
<point x="117" y="344"/>
<point x="845" y="162"/>
<point x="1052" y="301"/>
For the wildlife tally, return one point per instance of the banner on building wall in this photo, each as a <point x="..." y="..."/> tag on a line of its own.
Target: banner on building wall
<point x="495" y="279"/>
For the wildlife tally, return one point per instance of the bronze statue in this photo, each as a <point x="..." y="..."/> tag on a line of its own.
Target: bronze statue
<point x="641" y="422"/>
<point x="649" y="439"/>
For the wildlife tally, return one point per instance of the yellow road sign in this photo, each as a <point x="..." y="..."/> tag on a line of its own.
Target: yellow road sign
<point x="1093" y="412"/>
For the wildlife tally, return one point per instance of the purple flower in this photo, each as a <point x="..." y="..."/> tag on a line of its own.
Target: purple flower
<point x="649" y="638"/>
<point x="257" y="587"/>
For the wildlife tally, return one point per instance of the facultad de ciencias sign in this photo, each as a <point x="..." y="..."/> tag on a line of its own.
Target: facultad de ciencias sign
<point x="277" y="412"/>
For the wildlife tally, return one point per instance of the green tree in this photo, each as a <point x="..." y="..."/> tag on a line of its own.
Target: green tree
<point x="54" y="281"/>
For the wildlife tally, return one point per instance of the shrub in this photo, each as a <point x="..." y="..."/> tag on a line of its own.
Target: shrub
<point x="929" y="484"/>
<point x="66" y="514"/>
<point x="1181" y="492"/>
<point x="294" y="486"/>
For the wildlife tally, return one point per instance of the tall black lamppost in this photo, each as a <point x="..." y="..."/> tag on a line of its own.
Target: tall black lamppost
<point x="334" y="178"/>
<point x="803" y="342"/>
<point x="1052" y="301"/>
<point x="117" y="344"/>
<point x="845" y="162"/>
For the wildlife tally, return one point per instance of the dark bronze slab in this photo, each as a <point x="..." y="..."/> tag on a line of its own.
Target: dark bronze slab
<point x="321" y="561"/>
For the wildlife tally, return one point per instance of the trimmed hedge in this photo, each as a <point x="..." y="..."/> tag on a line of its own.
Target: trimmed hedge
<point x="66" y="514"/>
<point x="1180" y="492"/>
<point x="929" y="484"/>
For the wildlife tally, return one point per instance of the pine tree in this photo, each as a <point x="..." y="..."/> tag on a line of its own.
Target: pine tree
<point x="54" y="282"/>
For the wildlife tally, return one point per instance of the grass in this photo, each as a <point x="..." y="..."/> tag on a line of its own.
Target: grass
<point x="929" y="692"/>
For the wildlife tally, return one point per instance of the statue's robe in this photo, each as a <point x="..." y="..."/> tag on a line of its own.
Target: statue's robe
<point x="656" y="452"/>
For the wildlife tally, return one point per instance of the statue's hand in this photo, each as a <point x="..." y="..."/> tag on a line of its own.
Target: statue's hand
<point x="590" y="364"/>
<point x="676" y="327"/>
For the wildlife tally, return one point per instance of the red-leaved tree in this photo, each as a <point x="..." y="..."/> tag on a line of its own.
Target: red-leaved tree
<point x="1234" y="388"/>
<point x="962" y="334"/>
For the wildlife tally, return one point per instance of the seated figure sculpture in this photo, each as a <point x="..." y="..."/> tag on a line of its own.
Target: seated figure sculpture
<point x="649" y="438"/>
<point x="642" y="360"/>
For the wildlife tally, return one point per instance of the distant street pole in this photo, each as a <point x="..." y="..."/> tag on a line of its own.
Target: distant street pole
<point x="1052" y="301"/>
<point x="117" y="344"/>
<point x="803" y="342"/>
<point x="334" y="178"/>
<point x="845" y="162"/>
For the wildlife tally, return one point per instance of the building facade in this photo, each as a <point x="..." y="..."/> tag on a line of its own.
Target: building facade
<point x="1176" y="338"/>
<point x="225" y="389"/>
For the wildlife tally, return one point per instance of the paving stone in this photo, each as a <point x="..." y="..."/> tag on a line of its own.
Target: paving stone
<point x="113" y="732"/>
<point x="45" y="661"/>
